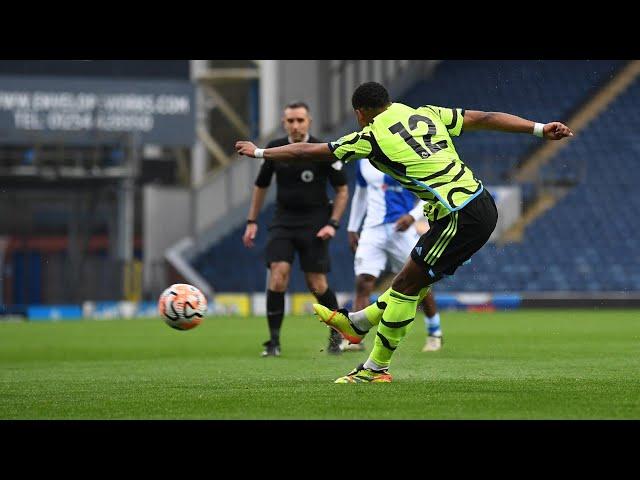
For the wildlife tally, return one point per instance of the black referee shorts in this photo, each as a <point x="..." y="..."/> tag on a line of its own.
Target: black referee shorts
<point x="452" y="240"/>
<point x="282" y="244"/>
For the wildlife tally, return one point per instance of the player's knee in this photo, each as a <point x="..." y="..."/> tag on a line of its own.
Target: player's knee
<point x="399" y="282"/>
<point x="279" y="284"/>
<point x="406" y="284"/>
<point x="411" y="279"/>
<point x="317" y="285"/>
<point x="365" y="284"/>
<point x="279" y="279"/>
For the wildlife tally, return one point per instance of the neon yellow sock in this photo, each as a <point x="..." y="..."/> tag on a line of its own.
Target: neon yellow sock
<point x="397" y="316"/>
<point x="374" y="311"/>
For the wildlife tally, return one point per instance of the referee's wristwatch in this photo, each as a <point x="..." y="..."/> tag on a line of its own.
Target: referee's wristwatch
<point x="334" y="223"/>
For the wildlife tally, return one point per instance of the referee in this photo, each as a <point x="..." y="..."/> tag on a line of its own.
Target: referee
<point x="304" y="222"/>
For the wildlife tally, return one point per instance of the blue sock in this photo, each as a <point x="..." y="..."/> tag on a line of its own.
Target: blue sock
<point x="433" y="324"/>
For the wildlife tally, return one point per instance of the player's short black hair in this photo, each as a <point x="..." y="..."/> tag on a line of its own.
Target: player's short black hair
<point x="298" y="104"/>
<point x="370" y="95"/>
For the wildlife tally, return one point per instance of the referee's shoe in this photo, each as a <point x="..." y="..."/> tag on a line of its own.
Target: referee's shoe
<point x="335" y="339"/>
<point x="271" y="349"/>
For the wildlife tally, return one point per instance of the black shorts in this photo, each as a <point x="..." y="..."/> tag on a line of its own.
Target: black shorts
<point x="452" y="240"/>
<point x="313" y="251"/>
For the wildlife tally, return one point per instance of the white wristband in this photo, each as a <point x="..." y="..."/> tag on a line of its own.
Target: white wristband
<point x="538" y="130"/>
<point x="259" y="153"/>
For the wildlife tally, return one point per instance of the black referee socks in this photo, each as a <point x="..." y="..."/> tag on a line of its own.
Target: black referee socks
<point x="328" y="299"/>
<point x="275" y="313"/>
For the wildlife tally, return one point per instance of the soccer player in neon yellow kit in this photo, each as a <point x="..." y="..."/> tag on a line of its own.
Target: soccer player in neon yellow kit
<point x="414" y="146"/>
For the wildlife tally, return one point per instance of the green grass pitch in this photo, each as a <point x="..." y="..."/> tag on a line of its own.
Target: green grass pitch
<point x="547" y="364"/>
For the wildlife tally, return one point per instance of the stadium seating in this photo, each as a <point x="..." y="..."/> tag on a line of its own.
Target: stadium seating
<point x="587" y="242"/>
<point x="539" y="90"/>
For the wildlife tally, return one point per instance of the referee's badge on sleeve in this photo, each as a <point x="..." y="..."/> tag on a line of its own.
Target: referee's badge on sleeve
<point x="307" y="176"/>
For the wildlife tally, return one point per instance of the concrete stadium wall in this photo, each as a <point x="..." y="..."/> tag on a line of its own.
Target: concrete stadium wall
<point x="166" y="220"/>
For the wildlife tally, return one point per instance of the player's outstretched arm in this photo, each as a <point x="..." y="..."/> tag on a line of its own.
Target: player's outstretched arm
<point x="306" y="151"/>
<point x="505" y="122"/>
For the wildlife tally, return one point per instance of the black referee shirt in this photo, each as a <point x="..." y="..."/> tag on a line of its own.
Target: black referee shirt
<point x="302" y="199"/>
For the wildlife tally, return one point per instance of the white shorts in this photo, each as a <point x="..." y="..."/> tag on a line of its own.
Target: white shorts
<point x="380" y="246"/>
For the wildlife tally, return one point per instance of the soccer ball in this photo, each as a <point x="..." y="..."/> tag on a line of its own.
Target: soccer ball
<point x="182" y="306"/>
